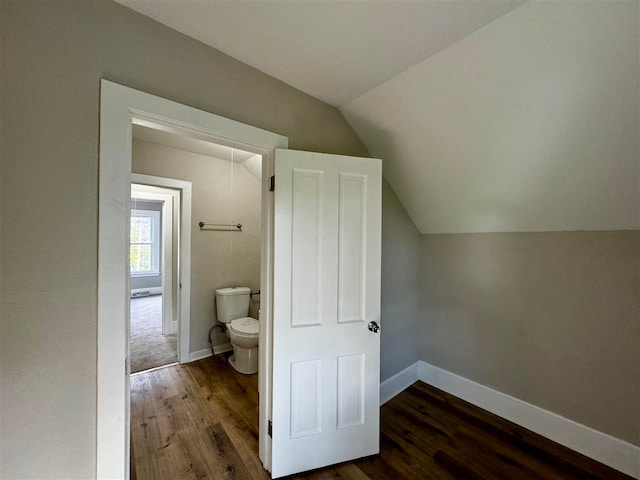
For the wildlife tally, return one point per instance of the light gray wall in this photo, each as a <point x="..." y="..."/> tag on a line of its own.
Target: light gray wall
<point x="401" y="270"/>
<point x="53" y="56"/>
<point x="550" y="318"/>
<point x="221" y="193"/>
<point x="147" y="281"/>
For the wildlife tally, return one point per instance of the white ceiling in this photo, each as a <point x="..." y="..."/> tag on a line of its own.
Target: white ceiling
<point x="529" y="124"/>
<point x="332" y="50"/>
<point x="489" y="118"/>
<point x="251" y="162"/>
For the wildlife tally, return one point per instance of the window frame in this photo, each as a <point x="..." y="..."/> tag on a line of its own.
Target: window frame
<point x="155" y="243"/>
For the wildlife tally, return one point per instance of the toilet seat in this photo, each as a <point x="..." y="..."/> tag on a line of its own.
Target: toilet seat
<point x="245" y="326"/>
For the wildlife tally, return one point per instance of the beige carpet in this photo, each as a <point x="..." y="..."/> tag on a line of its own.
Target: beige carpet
<point x="149" y="348"/>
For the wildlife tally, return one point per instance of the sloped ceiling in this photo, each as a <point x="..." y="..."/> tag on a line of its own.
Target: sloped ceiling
<point x="332" y="50"/>
<point x="489" y="115"/>
<point x="529" y="124"/>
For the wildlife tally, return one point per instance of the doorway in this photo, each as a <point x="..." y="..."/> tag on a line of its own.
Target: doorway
<point x="154" y="266"/>
<point x="225" y="221"/>
<point x="121" y="108"/>
<point x="319" y="376"/>
<point x="225" y="250"/>
<point x="176" y="271"/>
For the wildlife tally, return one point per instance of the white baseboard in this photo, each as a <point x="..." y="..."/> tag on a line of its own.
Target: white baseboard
<point x="394" y="385"/>
<point x="225" y="347"/>
<point x="604" y="448"/>
<point x="206" y="352"/>
<point x="151" y="290"/>
<point x="199" y="354"/>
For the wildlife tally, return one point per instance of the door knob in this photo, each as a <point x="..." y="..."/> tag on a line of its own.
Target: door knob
<point x="374" y="327"/>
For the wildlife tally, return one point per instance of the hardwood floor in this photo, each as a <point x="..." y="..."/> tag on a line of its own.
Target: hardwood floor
<point x="200" y="421"/>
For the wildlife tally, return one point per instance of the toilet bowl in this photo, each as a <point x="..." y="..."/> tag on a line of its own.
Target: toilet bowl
<point x="243" y="334"/>
<point x="232" y="307"/>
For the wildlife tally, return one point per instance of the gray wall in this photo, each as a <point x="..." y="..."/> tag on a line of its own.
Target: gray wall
<point x="549" y="318"/>
<point x="53" y="56"/>
<point x="147" y="281"/>
<point x="401" y="277"/>
<point x="221" y="193"/>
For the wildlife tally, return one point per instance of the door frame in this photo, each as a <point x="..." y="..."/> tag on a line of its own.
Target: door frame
<point x="183" y="220"/>
<point x="120" y="107"/>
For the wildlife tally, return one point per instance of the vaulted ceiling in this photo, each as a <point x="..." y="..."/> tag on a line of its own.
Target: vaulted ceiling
<point x="332" y="50"/>
<point x="489" y="115"/>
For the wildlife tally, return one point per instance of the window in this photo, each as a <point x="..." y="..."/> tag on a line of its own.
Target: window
<point x="144" y="250"/>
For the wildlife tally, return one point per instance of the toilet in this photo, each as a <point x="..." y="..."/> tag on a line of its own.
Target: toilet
<point x="232" y="308"/>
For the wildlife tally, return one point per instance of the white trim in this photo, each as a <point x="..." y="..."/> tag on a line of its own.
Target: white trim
<point x="119" y="107"/>
<point x="151" y="290"/>
<point x="200" y="354"/>
<point x="224" y="348"/>
<point x="135" y="374"/>
<point x="265" y="317"/>
<point x="399" y="382"/>
<point x="146" y="274"/>
<point x="206" y="352"/>
<point x="604" y="448"/>
<point x="183" y="204"/>
<point x="167" y="266"/>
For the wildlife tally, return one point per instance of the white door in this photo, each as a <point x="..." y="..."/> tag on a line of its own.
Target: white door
<point x="326" y="361"/>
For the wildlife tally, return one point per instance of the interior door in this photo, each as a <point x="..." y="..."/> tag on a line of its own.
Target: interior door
<point x="326" y="360"/>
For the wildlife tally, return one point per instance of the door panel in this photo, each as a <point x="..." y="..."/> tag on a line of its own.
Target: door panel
<point x="352" y="247"/>
<point x="351" y="378"/>
<point x="306" y="248"/>
<point x="305" y="398"/>
<point x="326" y="363"/>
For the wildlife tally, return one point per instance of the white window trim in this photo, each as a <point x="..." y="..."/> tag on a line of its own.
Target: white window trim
<point x="155" y="242"/>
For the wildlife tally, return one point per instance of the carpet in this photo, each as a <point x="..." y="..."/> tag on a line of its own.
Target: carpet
<point x="149" y="348"/>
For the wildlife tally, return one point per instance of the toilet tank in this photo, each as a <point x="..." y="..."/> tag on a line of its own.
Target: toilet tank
<point x="232" y="303"/>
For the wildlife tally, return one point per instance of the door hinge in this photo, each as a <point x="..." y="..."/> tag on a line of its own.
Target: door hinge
<point x="270" y="429"/>
<point x="272" y="183"/>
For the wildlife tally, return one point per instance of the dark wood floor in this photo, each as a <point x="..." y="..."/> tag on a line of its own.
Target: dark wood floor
<point x="200" y="421"/>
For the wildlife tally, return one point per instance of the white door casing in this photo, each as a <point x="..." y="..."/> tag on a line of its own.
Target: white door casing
<point x="326" y="363"/>
<point x="119" y="107"/>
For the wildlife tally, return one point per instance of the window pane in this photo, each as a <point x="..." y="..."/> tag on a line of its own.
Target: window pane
<point x="140" y="258"/>
<point x="133" y="257"/>
<point x="140" y="229"/>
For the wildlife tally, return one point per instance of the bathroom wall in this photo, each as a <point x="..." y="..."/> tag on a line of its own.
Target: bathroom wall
<point x="222" y="193"/>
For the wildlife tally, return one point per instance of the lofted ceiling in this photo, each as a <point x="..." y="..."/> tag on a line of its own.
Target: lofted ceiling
<point x="529" y="124"/>
<point x="490" y="116"/>
<point x="332" y="50"/>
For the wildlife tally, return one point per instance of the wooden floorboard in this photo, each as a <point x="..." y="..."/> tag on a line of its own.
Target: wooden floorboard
<point x="200" y="421"/>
